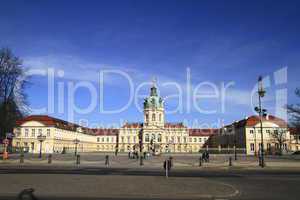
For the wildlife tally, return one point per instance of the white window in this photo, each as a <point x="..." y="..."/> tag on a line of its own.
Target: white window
<point x="195" y="139"/>
<point x="40" y="131"/>
<point x="32" y="132"/>
<point x="259" y="130"/>
<point x="172" y="139"/>
<point x="153" y="137"/>
<point x="98" y="139"/>
<point x="102" y="139"/>
<point x="159" y="138"/>
<point x="48" y="132"/>
<point x="251" y="131"/>
<point x="251" y="147"/>
<point x="128" y="139"/>
<point x="153" y="117"/>
<point x="26" y="132"/>
<point x="200" y="139"/>
<point x="107" y="139"/>
<point x="147" y="137"/>
<point x="147" y="117"/>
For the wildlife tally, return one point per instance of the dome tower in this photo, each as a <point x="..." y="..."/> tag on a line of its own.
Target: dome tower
<point x="154" y="109"/>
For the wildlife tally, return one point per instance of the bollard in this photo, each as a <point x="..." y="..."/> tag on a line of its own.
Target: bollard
<point x="77" y="159"/>
<point x="166" y="167"/>
<point x="200" y="162"/>
<point x="141" y="161"/>
<point x="49" y="158"/>
<point x="260" y="158"/>
<point x="22" y="158"/>
<point x="171" y="161"/>
<point x="230" y="161"/>
<point x="107" y="160"/>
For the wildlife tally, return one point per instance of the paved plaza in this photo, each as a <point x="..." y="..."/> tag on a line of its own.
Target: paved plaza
<point x="125" y="179"/>
<point x="180" y="161"/>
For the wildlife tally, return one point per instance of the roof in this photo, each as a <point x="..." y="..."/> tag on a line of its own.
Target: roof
<point x="58" y="123"/>
<point x="132" y="125"/>
<point x="174" y="125"/>
<point x="203" y="132"/>
<point x="105" y="131"/>
<point x="294" y="131"/>
<point x="48" y="121"/>
<point x="254" y="119"/>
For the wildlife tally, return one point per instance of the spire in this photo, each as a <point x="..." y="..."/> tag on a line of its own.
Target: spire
<point x="154" y="81"/>
<point x="153" y="88"/>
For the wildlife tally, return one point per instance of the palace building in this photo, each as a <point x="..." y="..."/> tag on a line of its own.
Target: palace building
<point x="154" y="135"/>
<point x="246" y="134"/>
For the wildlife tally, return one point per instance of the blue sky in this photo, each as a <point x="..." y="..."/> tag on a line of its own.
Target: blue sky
<point x="219" y="41"/>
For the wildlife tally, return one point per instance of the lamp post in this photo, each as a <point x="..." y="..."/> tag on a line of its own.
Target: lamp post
<point x="255" y="152"/>
<point x="76" y="142"/>
<point x="261" y="93"/>
<point x="141" y="146"/>
<point x="234" y="141"/>
<point x="41" y="138"/>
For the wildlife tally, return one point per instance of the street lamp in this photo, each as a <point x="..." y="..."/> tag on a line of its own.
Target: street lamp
<point x="141" y="146"/>
<point x="261" y="93"/>
<point x="234" y="141"/>
<point x="41" y="138"/>
<point x="76" y="142"/>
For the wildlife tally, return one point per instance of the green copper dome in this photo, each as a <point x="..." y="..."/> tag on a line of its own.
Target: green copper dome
<point x="153" y="101"/>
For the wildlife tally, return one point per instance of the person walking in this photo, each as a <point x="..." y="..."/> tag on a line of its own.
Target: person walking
<point x="207" y="156"/>
<point x="106" y="160"/>
<point x="203" y="156"/>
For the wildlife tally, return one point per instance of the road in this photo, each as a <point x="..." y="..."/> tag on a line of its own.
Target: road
<point x="140" y="183"/>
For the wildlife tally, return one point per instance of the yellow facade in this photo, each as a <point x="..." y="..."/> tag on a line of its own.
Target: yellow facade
<point x="154" y="135"/>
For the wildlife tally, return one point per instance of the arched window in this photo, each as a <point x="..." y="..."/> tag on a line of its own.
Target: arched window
<point x="147" y="138"/>
<point x="153" y="117"/>
<point x="153" y="137"/>
<point x="147" y="117"/>
<point x="159" y="138"/>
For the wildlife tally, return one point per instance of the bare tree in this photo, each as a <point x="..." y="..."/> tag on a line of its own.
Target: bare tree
<point x="294" y="111"/>
<point x="280" y="136"/>
<point x="12" y="96"/>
